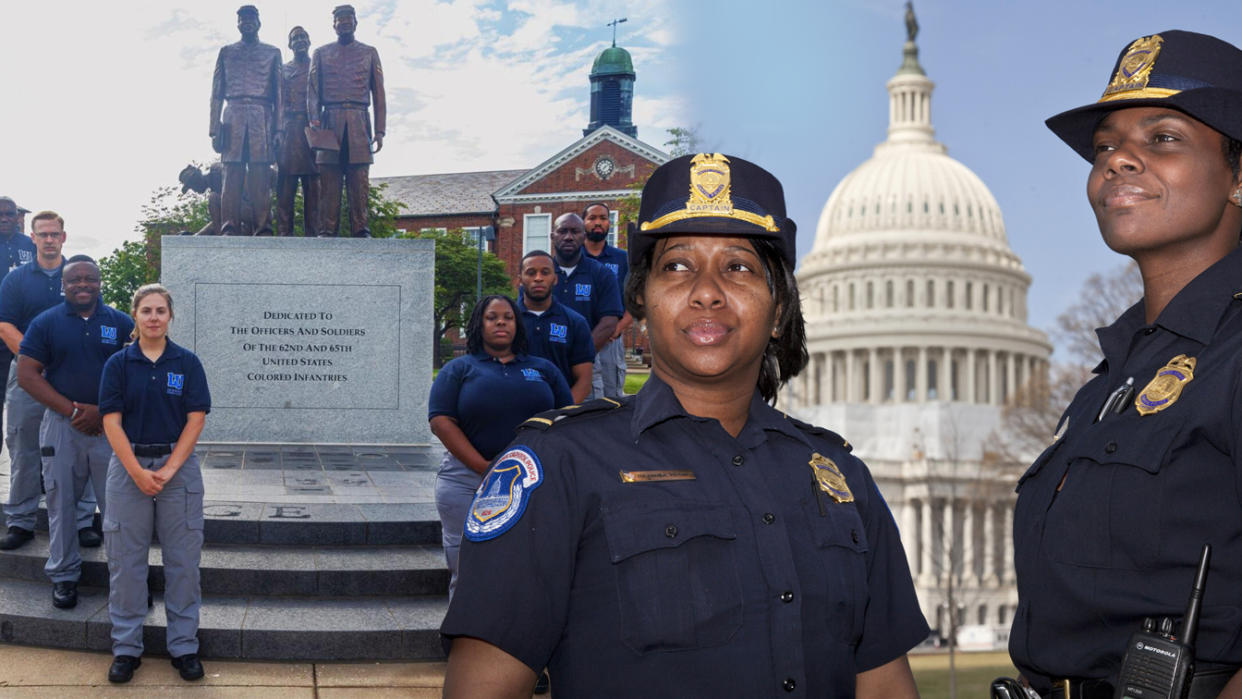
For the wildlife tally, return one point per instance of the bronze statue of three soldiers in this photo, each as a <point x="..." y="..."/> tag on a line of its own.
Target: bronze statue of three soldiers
<point x="277" y="113"/>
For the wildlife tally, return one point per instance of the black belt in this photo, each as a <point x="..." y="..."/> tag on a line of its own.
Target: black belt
<point x="151" y="450"/>
<point x="345" y="105"/>
<point x="263" y="101"/>
<point x="1206" y="684"/>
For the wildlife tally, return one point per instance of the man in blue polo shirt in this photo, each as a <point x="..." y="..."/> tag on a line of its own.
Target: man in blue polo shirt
<point x="609" y="378"/>
<point x="16" y="249"/>
<point x="583" y="284"/>
<point x="556" y="333"/>
<point x="25" y="293"/>
<point x="62" y="357"/>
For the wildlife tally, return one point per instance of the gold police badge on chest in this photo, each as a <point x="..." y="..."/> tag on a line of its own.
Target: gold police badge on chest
<point x="1164" y="390"/>
<point x="830" y="478"/>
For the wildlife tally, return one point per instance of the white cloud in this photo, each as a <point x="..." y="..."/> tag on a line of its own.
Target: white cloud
<point x="110" y="101"/>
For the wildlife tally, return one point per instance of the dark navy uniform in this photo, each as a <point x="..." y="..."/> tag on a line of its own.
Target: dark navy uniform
<point x="15" y="251"/>
<point x="72" y="350"/>
<point x="646" y="552"/>
<point x="560" y="335"/>
<point x="488" y="399"/>
<point x="591" y="290"/>
<point x="154" y="399"/>
<point x="1111" y="518"/>
<point x="1141" y="495"/>
<point x="25" y="293"/>
<point x="608" y="381"/>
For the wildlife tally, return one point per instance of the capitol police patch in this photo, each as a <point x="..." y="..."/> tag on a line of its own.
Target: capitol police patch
<point x="502" y="496"/>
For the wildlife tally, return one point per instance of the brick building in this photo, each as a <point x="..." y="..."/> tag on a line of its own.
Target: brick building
<point x="606" y="165"/>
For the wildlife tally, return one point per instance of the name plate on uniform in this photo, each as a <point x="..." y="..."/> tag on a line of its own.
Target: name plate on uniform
<point x="307" y="340"/>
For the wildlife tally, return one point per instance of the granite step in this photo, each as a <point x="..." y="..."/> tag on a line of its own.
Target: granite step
<point x="360" y="571"/>
<point x="239" y="627"/>
<point x="313" y="524"/>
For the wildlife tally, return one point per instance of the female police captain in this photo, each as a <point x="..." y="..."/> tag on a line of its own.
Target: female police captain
<point x="691" y="541"/>
<point x="153" y="397"/>
<point x="1111" y="518"/>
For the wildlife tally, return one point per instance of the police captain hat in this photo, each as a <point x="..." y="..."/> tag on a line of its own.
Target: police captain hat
<point x="711" y="193"/>
<point x="1192" y="73"/>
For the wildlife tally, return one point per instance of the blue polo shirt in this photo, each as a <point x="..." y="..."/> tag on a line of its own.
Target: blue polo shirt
<point x="489" y="399"/>
<point x="28" y="291"/>
<point x="591" y="290"/>
<point x="559" y="335"/>
<point x="616" y="260"/>
<point x="15" y="251"/>
<point x="153" y="397"/>
<point x="73" y="349"/>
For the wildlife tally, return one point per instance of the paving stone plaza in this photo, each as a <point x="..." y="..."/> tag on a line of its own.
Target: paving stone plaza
<point x="311" y="553"/>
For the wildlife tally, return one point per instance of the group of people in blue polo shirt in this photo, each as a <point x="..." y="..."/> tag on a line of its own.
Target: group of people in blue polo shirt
<point x="104" y="411"/>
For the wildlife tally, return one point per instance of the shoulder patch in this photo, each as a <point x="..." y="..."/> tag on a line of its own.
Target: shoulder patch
<point x="502" y="496"/>
<point x="547" y="418"/>
<point x="833" y="437"/>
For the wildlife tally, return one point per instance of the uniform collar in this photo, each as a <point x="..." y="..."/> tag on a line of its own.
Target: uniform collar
<point x="68" y="310"/>
<point x="551" y="307"/>
<point x="134" y="353"/>
<point x="483" y="356"/>
<point x="656" y="403"/>
<point x="1193" y="313"/>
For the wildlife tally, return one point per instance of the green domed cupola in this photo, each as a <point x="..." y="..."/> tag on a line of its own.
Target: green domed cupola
<point x="612" y="91"/>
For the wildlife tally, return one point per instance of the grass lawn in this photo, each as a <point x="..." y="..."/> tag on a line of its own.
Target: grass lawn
<point x="975" y="672"/>
<point x="634" y="381"/>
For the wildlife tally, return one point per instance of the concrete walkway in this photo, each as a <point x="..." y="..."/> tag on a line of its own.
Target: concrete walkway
<point x="40" y="672"/>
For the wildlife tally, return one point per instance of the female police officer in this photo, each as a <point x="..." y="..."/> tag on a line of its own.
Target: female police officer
<point x="153" y="397"/>
<point x="477" y="401"/>
<point x="691" y="541"/>
<point x="1145" y="469"/>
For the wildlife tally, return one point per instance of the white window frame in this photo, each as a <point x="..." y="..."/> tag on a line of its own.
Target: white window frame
<point x="546" y="227"/>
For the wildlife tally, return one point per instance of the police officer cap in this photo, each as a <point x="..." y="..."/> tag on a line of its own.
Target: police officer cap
<point x="711" y="193"/>
<point x="343" y="10"/>
<point x="1192" y="73"/>
<point x="245" y="10"/>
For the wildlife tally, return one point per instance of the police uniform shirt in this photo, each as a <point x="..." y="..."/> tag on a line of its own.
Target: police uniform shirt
<point x="1139" y="495"/>
<point x="720" y="569"/>
<point x="616" y="260"/>
<point x="559" y="335"/>
<point x="153" y="397"/>
<point x="73" y="349"/>
<point x="28" y="291"/>
<point x="489" y="398"/>
<point x="591" y="290"/>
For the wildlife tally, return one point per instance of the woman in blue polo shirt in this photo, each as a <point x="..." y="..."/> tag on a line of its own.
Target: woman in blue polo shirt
<point x="476" y="403"/>
<point x="153" y="398"/>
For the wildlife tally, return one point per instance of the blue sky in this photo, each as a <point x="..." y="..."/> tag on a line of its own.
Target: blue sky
<point x="797" y="87"/>
<point x="800" y="90"/>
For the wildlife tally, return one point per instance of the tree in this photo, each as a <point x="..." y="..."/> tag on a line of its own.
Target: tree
<point x="457" y="268"/>
<point x="122" y="272"/>
<point x="683" y="140"/>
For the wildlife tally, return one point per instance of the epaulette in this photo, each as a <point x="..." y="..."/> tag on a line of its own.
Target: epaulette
<point x="834" y="438"/>
<point x="547" y="418"/>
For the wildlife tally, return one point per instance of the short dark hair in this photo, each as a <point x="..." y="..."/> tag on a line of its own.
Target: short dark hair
<point x="1232" y="148"/>
<point x="594" y="203"/>
<point x="81" y="258"/>
<point x="474" y="327"/>
<point x="786" y="355"/>
<point x="535" y="253"/>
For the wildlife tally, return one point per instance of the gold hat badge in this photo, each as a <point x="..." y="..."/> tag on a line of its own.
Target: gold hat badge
<point x="1164" y="390"/>
<point x="1134" y="70"/>
<point x="711" y="190"/>
<point x="830" y="478"/>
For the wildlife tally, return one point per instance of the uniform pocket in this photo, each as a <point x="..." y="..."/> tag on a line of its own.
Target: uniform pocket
<point x="194" y="504"/>
<point x="1112" y="500"/>
<point x="676" y="574"/>
<point x="843" y="547"/>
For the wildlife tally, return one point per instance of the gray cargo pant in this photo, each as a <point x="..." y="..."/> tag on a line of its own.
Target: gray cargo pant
<point x="71" y="459"/>
<point x="455" y="486"/>
<point x="25" y="414"/>
<point x="176" y="513"/>
<point x="608" y="379"/>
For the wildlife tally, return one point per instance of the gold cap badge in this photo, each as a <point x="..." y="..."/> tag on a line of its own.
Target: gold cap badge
<point x="1134" y="70"/>
<point x="1164" y="390"/>
<point x="711" y="190"/>
<point x="830" y="478"/>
